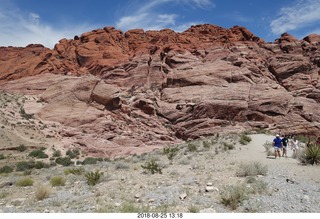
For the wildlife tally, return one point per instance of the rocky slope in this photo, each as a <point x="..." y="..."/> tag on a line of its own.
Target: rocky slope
<point x="122" y="93"/>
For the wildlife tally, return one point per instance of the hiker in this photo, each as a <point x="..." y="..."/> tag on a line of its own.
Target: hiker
<point x="285" y="141"/>
<point x="277" y="145"/>
<point x="294" y="145"/>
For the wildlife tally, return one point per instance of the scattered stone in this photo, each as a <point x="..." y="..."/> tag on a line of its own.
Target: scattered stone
<point x="183" y="196"/>
<point x="211" y="189"/>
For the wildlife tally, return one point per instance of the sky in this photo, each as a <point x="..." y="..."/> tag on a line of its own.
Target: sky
<point x="24" y="22"/>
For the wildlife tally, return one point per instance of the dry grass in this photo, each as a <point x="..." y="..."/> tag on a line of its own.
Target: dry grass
<point x="43" y="192"/>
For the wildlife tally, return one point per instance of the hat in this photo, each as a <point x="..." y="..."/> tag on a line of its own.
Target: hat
<point x="277" y="135"/>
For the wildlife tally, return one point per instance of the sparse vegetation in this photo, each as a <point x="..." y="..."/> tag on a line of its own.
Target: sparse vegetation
<point x="170" y="152"/>
<point x="192" y="147"/>
<point x="2" y="157"/>
<point x="43" y="192"/>
<point x="21" y="148"/>
<point x="38" y="154"/>
<point x="310" y="155"/>
<point x="56" y="153"/>
<point x="206" y="144"/>
<point x="90" y="160"/>
<point x="74" y="171"/>
<point x="25" y="115"/>
<point x="228" y="146"/>
<point x="193" y="209"/>
<point x="252" y="169"/>
<point x="25" y="181"/>
<point x="64" y="161"/>
<point x="25" y="165"/>
<point x="6" y="169"/>
<point x="73" y="153"/>
<point x="244" y="139"/>
<point x="57" y="181"/>
<point x="93" y="177"/>
<point x="152" y="166"/>
<point x="232" y="196"/>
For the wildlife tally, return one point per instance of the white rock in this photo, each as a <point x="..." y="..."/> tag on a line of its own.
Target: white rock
<point x="211" y="189"/>
<point x="183" y="196"/>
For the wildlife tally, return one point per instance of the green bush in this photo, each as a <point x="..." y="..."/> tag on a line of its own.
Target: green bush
<point x="6" y="169"/>
<point x="26" y="181"/>
<point x="40" y="165"/>
<point x="74" y="171"/>
<point x="228" y="146"/>
<point x="2" y="157"/>
<point x="170" y="152"/>
<point x="38" y="154"/>
<point x="89" y="160"/>
<point x="25" y="165"/>
<point x="311" y="155"/>
<point x="73" y="153"/>
<point x="64" y="161"/>
<point x="21" y="148"/>
<point x="252" y="169"/>
<point x="244" y="139"/>
<point x="57" y="181"/>
<point x="93" y="177"/>
<point x="56" y="153"/>
<point x="232" y="196"/>
<point x="206" y="144"/>
<point x="25" y="115"/>
<point x="192" y="147"/>
<point x="152" y="166"/>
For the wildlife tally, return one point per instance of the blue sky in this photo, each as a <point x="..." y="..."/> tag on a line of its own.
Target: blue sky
<point x="47" y="21"/>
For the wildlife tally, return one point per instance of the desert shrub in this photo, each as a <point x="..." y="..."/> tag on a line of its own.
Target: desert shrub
<point x="232" y="196"/>
<point x="74" y="171"/>
<point x="42" y="192"/>
<point x="206" y="144"/>
<point x="56" y="153"/>
<point x="40" y="165"/>
<point x="228" y="146"/>
<point x="89" y="160"/>
<point x="268" y="147"/>
<point x="93" y="177"/>
<point x="131" y="208"/>
<point x="26" y="181"/>
<point x="252" y="169"/>
<point x="251" y="179"/>
<point x="38" y="154"/>
<point x="244" y="139"/>
<point x="57" y="181"/>
<point x="24" y="114"/>
<point x="192" y="147"/>
<point x="25" y="165"/>
<point x="2" y="157"/>
<point x="6" y="169"/>
<point x="121" y="165"/>
<point x="152" y="166"/>
<point x="310" y="155"/>
<point x="21" y="148"/>
<point x="259" y="187"/>
<point x="73" y="153"/>
<point x="27" y="172"/>
<point x="193" y="209"/>
<point x="170" y="152"/>
<point x="64" y="161"/>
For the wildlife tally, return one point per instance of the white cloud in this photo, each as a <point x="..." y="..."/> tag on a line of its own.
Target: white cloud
<point x="148" y="16"/>
<point x="19" y="28"/>
<point x="303" y="13"/>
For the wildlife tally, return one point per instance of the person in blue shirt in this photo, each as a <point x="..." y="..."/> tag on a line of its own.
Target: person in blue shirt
<point x="277" y="144"/>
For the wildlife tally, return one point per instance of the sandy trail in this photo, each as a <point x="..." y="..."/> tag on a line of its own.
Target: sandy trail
<point x="255" y="151"/>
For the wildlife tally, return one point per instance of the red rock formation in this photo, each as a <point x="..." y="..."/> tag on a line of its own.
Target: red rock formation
<point x="144" y="89"/>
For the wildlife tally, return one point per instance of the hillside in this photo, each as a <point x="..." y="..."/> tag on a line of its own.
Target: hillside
<point x="111" y="93"/>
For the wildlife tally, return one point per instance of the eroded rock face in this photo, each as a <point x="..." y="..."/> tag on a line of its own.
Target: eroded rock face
<point x="136" y="91"/>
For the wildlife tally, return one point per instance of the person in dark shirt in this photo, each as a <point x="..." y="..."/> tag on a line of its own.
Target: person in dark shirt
<point x="285" y="141"/>
<point x="277" y="144"/>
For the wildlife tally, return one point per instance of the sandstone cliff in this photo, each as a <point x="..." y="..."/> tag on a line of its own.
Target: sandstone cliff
<point x="145" y="89"/>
